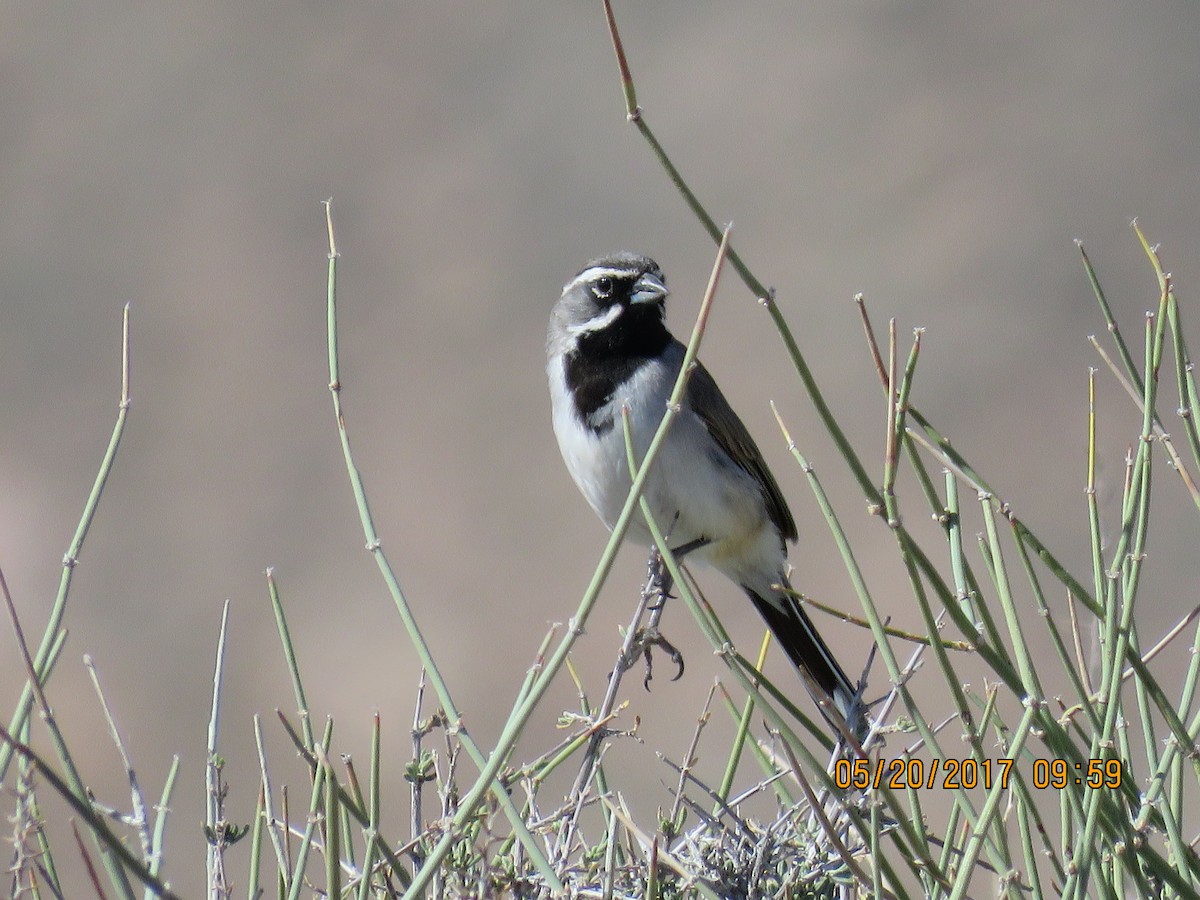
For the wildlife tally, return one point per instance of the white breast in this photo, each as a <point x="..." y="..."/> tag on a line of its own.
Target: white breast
<point x="597" y="462"/>
<point x="694" y="490"/>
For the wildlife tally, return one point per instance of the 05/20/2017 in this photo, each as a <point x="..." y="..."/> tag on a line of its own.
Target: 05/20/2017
<point x="897" y="774"/>
<point x="967" y="774"/>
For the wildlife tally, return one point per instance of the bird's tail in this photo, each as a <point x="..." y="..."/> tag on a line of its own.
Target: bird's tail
<point x="820" y="670"/>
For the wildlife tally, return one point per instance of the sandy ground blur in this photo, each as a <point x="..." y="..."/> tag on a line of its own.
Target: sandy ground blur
<point x="939" y="157"/>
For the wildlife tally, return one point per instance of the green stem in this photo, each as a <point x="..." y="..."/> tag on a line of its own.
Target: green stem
<point x="44" y="658"/>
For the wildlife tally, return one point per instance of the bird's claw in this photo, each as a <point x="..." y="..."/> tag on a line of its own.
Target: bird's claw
<point x="647" y="640"/>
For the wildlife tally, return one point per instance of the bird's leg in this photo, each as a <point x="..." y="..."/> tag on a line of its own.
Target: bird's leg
<point x="658" y="588"/>
<point x="658" y="584"/>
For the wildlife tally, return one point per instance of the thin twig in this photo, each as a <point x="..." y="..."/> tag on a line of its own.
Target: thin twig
<point x="689" y="759"/>
<point x="1162" y="643"/>
<point x="686" y="776"/>
<point x="417" y="791"/>
<point x="212" y="775"/>
<point x="273" y="826"/>
<point x="950" y="464"/>
<point x="872" y="343"/>
<point x="93" y="875"/>
<point x="625" y="656"/>
<point x="891" y="631"/>
<point x="139" y="820"/>
<point x="1161" y="433"/>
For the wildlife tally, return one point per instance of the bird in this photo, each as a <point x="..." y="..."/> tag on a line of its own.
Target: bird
<point x="608" y="347"/>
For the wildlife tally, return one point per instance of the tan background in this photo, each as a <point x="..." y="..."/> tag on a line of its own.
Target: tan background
<point x="940" y="157"/>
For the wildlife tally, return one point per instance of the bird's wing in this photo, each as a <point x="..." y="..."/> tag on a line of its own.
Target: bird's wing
<point x="707" y="401"/>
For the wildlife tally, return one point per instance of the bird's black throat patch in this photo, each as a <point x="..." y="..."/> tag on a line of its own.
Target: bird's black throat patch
<point x="604" y="360"/>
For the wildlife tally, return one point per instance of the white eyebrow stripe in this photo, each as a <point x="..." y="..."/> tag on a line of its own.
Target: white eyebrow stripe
<point x="598" y="272"/>
<point x="599" y="323"/>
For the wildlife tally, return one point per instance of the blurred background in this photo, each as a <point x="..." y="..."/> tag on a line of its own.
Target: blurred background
<point x="939" y="157"/>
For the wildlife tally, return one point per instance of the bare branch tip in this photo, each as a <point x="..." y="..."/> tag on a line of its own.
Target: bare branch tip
<point x="333" y="251"/>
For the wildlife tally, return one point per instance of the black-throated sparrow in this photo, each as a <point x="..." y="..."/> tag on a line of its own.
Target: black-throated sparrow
<point x="608" y="346"/>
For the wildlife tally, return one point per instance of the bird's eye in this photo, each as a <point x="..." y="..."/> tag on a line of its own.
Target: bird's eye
<point x="602" y="287"/>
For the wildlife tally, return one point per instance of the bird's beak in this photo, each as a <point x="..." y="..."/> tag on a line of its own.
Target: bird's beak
<point x="648" y="289"/>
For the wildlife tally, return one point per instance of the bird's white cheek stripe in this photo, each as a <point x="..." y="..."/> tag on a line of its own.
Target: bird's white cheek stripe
<point x="599" y="323"/>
